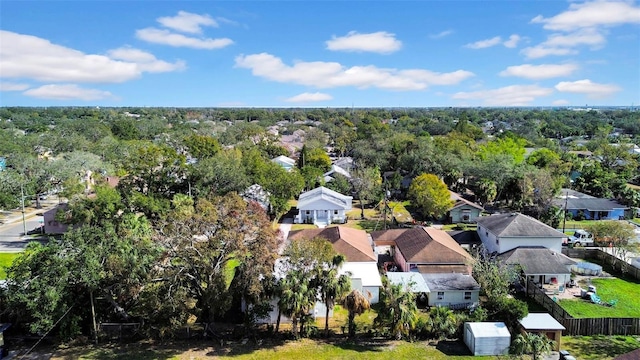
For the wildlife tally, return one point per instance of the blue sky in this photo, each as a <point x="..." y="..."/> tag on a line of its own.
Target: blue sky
<point x="319" y="54"/>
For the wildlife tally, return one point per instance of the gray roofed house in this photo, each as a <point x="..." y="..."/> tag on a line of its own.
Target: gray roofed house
<point x="463" y="210"/>
<point x="452" y="289"/>
<point x="539" y="264"/>
<point x="503" y="232"/>
<point x="322" y="206"/>
<point x="581" y="205"/>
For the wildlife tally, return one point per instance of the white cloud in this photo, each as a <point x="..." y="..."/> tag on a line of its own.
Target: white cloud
<point x="513" y="41"/>
<point x="590" y="37"/>
<point x="332" y="74"/>
<point x="166" y="37"/>
<point x="146" y="61"/>
<point x="441" y="34"/>
<point x="586" y="87"/>
<point x="537" y="72"/>
<point x="560" y="102"/>
<point x="67" y="92"/>
<point x="187" y="22"/>
<point x="9" y="86"/>
<point x="592" y="14"/>
<point x="539" y="51"/>
<point x="25" y="56"/>
<point x="309" y="97"/>
<point x="482" y="44"/>
<point x="379" y="42"/>
<point x="30" y="57"/>
<point x="514" y="95"/>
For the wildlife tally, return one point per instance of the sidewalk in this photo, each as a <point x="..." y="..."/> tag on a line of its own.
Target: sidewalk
<point x="15" y="215"/>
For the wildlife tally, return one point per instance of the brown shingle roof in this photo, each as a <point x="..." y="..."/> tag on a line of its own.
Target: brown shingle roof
<point x="352" y="243"/>
<point x="424" y="245"/>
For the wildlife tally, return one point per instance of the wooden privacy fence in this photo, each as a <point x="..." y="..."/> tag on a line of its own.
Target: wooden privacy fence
<point x="602" y="326"/>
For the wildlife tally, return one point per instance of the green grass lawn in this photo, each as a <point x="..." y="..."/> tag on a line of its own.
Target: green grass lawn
<point x="5" y="260"/>
<point x="302" y="349"/>
<point x="571" y="225"/>
<point x="636" y="220"/>
<point x="599" y="347"/>
<point x="625" y="292"/>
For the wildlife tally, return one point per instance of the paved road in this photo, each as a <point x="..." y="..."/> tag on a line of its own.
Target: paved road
<point x="11" y="235"/>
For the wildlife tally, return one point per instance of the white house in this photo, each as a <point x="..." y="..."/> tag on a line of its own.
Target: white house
<point x="286" y="162"/>
<point x="364" y="277"/>
<point x="503" y="232"/>
<point x="539" y="264"/>
<point x="453" y="290"/>
<point x="357" y="247"/>
<point x="322" y="206"/>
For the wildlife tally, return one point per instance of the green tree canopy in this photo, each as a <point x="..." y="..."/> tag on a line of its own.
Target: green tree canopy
<point x="430" y="195"/>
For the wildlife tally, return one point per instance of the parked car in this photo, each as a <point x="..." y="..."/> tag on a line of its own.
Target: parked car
<point x="581" y="238"/>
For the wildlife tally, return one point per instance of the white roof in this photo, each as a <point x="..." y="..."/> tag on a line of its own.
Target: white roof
<point x="284" y="159"/>
<point x="322" y="193"/>
<point x="405" y="278"/>
<point x="339" y="170"/>
<point x="540" y="321"/>
<point x="489" y="329"/>
<point x="365" y="271"/>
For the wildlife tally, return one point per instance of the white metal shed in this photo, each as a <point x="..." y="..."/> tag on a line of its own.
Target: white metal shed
<point x="487" y="338"/>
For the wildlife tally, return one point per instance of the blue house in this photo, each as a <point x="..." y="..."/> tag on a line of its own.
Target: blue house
<point x="583" y="206"/>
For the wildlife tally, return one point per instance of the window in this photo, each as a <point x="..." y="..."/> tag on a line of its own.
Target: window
<point x="467" y="295"/>
<point x="497" y="241"/>
<point x="440" y="295"/>
<point x="308" y="212"/>
<point x="335" y="212"/>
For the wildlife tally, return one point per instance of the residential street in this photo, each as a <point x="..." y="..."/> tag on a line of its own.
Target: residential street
<point x="12" y="238"/>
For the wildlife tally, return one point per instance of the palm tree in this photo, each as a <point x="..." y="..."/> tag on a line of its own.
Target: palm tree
<point x="297" y="297"/>
<point x="332" y="287"/>
<point x="442" y="322"/>
<point x="534" y="344"/>
<point x="356" y="304"/>
<point x="399" y="309"/>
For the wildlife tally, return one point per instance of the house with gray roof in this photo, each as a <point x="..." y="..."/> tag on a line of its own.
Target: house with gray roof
<point x="539" y="264"/>
<point x="580" y="205"/>
<point x="454" y="290"/>
<point x="463" y="210"/>
<point x="322" y="206"/>
<point x="503" y="232"/>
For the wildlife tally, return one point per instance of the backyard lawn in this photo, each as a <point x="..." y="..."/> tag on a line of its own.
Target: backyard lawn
<point x="5" y="261"/>
<point x="599" y="347"/>
<point x="625" y="292"/>
<point x="302" y="349"/>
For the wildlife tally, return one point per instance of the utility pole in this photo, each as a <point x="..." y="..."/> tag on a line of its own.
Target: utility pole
<point x="564" y="217"/>
<point x="24" y="223"/>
